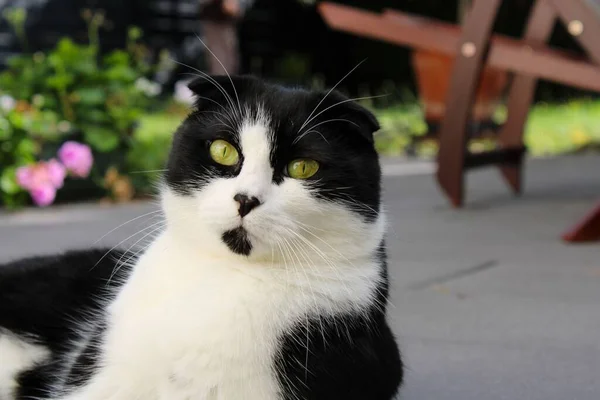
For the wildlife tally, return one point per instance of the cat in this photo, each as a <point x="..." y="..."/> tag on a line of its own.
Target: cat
<point x="268" y="281"/>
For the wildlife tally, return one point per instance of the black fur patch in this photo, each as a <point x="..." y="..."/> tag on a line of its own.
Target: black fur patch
<point x="349" y="357"/>
<point x="45" y="298"/>
<point x="84" y="366"/>
<point x="237" y="241"/>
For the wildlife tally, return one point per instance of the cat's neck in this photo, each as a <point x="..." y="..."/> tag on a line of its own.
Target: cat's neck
<point x="180" y="260"/>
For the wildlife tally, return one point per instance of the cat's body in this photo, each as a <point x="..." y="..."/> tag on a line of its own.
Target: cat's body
<point x="261" y="286"/>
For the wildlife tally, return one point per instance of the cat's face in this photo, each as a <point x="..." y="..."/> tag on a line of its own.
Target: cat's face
<point x="273" y="177"/>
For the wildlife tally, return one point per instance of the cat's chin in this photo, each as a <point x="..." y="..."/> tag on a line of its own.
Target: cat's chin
<point x="238" y="241"/>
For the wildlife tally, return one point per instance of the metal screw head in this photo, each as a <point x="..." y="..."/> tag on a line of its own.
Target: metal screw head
<point x="575" y="27"/>
<point x="468" y="49"/>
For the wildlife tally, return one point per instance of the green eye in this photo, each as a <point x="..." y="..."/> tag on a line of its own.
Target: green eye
<point x="302" y="168"/>
<point x="224" y="153"/>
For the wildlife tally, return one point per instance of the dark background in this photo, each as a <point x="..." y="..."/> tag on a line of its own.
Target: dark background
<point x="279" y="39"/>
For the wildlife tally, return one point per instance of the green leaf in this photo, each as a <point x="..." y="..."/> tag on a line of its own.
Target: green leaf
<point x="121" y="73"/>
<point x="5" y="129"/>
<point x="8" y="181"/>
<point x="101" y="138"/>
<point x="17" y="120"/>
<point x="91" y="96"/>
<point x="134" y="33"/>
<point x="59" y="81"/>
<point x="117" y="57"/>
<point x="14" y="201"/>
<point x="16" y="16"/>
<point x="94" y="115"/>
<point x="19" y="61"/>
<point x="26" y="151"/>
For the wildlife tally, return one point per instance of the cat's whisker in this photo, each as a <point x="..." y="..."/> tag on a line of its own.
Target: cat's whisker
<point x="312" y="128"/>
<point x="161" y="225"/>
<point x="308" y="119"/>
<point x="120" y="264"/>
<point x="127" y="222"/>
<point x="306" y="371"/>
<point x="329" y="245"/>
<point x="325" y="258"/>
<point x="218" y="119"/>
<point x="309" y="263"/>
<point x="225" y="109"/>
<point x="211" y="80"/>
<point x="345" y="101"/>
<point x="224" y="69"/>
<point x="109" y="251"/>
<point x="308" y="132"/>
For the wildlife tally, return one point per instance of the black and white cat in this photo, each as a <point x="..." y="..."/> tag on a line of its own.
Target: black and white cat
<point x="268" y="282"/>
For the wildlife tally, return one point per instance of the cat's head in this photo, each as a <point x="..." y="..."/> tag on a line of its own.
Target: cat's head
<point x="273" y="173"/>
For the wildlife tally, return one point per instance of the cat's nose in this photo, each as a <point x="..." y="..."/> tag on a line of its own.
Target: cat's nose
<point x="246" y="203"/>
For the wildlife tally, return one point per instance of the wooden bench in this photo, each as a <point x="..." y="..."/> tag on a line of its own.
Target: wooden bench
<point x="473" y="46"/>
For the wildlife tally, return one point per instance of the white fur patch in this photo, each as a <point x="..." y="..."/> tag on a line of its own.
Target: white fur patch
<point x="197" y="321"/>
<point x="16" y="356"/>
<point x="255" y="178"/>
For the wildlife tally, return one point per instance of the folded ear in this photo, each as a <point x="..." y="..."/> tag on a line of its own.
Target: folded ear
<point x="219" y="89"/>
<point x="344" y="108"/>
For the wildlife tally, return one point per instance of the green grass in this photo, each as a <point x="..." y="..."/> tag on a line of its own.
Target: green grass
<point x="556" y="129"/>
<point x="550" y="130"/>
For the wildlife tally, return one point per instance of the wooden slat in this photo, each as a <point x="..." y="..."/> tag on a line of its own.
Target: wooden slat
<point x="505" y="53"/>
<point x="373" y="25"/>
<point x="587" y="14"/>
<point x="494" y="157"/>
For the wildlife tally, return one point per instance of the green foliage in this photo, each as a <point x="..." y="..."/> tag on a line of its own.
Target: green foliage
<point x="550" y="130"/>
<point x="569" y="127"/>
<point x="152" y="139"/>
<point x="72" y="91"/>
<point x="21" y="130"/>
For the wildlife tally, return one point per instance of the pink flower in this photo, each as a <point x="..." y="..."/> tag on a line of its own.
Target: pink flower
<point x="43" y="195"/>
<point x="25" y="177"/>
<point x="43" y="173"/>
<point x="77" y="158"/>
<point x="56" y="173"/>
<point x="41" y="180"/>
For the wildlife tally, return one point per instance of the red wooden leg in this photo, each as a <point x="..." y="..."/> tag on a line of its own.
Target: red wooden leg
<point x="471" y="56"/>
<point x="522" y="90"/>
<point x="587" y="230"/>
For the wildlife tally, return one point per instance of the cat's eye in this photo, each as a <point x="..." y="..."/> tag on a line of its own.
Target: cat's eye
<point x="302" y="168"/>
<point x="224" y="153"/>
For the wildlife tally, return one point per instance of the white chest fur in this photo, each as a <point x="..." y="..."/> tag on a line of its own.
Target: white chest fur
<point x="184" y="328"/>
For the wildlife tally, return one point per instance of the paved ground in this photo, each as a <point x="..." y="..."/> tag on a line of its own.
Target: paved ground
<point x="488" y="303"/>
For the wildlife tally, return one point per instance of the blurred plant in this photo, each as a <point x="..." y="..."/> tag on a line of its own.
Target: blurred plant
<point x="71" y="92"/>
<point x="77" y="158"/>
<point x="42" y="180"/>
<point x="16" y="18"/>
<point x="119" y="186"/>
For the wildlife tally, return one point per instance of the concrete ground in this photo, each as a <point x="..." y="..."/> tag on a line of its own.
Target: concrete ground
<point x="488" y="303"/>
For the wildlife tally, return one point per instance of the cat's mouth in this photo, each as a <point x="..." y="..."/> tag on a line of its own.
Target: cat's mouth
<point x="237" y="240"/>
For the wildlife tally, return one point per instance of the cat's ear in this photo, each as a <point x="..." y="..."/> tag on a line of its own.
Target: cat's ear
<point x="218" y="89"/>
<point x="363" y="119"/>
